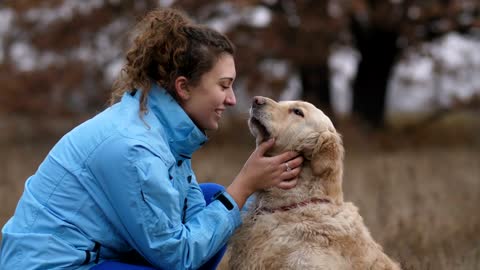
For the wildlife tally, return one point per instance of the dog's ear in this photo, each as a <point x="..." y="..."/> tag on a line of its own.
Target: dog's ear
<point x="307" y="145"/>
<point x="327" y="155"/>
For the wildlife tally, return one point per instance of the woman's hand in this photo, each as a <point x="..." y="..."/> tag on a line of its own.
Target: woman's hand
<point x="261" y="172"/>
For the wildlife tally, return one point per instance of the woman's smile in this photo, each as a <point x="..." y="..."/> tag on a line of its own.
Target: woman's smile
<point x="219" y="112"/>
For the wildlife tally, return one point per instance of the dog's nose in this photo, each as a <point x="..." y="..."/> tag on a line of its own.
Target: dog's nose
<point x="258" y="101"/>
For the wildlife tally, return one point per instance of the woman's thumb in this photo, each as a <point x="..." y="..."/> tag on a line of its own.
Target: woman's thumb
<point x="263" y="147"/>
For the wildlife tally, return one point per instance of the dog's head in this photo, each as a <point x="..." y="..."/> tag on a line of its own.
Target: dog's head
<point x="301" y="127"/>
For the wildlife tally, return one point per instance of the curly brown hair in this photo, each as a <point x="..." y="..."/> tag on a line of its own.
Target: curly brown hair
<point x="168" y="44"/>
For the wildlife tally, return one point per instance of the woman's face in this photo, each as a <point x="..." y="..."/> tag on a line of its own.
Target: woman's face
<point x="209" y="98"/>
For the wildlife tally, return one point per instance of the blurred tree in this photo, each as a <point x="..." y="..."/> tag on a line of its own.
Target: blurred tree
<point x="60" y="56"/>
<point x="382" y="29"/>
<point x="298" y="31"/>
<point x="57" y="54"/>
<point x="374" y="28"/>
<point x="304" y="31"/>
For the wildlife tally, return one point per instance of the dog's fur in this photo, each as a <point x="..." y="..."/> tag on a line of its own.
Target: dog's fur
<point x="326" y="234"/>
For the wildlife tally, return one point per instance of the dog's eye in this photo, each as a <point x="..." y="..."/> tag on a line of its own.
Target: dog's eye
<point x="297" y="112"/>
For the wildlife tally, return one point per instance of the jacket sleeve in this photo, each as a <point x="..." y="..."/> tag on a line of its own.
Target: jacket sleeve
<point x="137" y="185"/>
<point x="196" y="200"/>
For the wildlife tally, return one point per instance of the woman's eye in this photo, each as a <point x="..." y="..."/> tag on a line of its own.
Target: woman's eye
<point x="298" y="112"/>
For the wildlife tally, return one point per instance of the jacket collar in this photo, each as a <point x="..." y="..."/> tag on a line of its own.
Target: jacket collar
<point x="184" y="137"/>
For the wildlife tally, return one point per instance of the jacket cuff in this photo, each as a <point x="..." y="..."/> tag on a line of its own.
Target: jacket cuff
<point x="229" y="204"/>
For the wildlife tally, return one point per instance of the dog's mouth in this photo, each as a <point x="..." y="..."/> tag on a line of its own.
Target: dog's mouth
<point x="259" y="130"/>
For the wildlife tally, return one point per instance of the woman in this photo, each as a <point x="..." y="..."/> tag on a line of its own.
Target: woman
<point x="120" y="186"/>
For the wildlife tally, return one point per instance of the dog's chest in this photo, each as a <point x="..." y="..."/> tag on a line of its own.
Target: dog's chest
<point x="281" y="240"/>
<point x="285" y="229"/>
<point x="295" y="239"/>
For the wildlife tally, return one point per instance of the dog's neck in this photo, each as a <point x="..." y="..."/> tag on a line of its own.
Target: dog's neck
<point x="309" y="187"/>
<point x="292" y="206"/>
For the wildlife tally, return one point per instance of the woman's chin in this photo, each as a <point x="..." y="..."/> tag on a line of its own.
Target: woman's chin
<point x="211" y="126"/>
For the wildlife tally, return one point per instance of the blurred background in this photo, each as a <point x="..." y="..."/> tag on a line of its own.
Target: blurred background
<point x="399" y="78"/>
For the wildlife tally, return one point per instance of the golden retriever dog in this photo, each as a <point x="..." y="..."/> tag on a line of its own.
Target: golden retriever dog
<point x="309" y="226"/>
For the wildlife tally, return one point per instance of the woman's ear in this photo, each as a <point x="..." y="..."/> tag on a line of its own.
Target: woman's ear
<point x="181" y="88"/>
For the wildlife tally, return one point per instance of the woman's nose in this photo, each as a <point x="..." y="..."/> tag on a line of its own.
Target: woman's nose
<point x="230" y="99"/>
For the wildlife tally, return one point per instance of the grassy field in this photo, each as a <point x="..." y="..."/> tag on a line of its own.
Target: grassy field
<point x="419" y="194"/>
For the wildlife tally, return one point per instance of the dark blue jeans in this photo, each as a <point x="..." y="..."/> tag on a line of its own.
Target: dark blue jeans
<point x="208" y="189"/>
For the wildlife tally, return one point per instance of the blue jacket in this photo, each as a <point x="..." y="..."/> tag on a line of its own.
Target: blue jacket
<point x="116" y="184"/>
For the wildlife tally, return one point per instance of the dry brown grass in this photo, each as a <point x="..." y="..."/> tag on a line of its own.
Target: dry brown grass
<point x="420" y="202"/>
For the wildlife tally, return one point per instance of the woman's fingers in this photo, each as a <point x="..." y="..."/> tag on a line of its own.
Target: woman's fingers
<point x="287" y="175"/>
<point x="263" y="147"/>
<point x="288" y="184"/>
<point x="279" y="171"/>
<point x="288" y="179"/>
<point x="293" y="163"/>
<point x="291" y="167"/>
